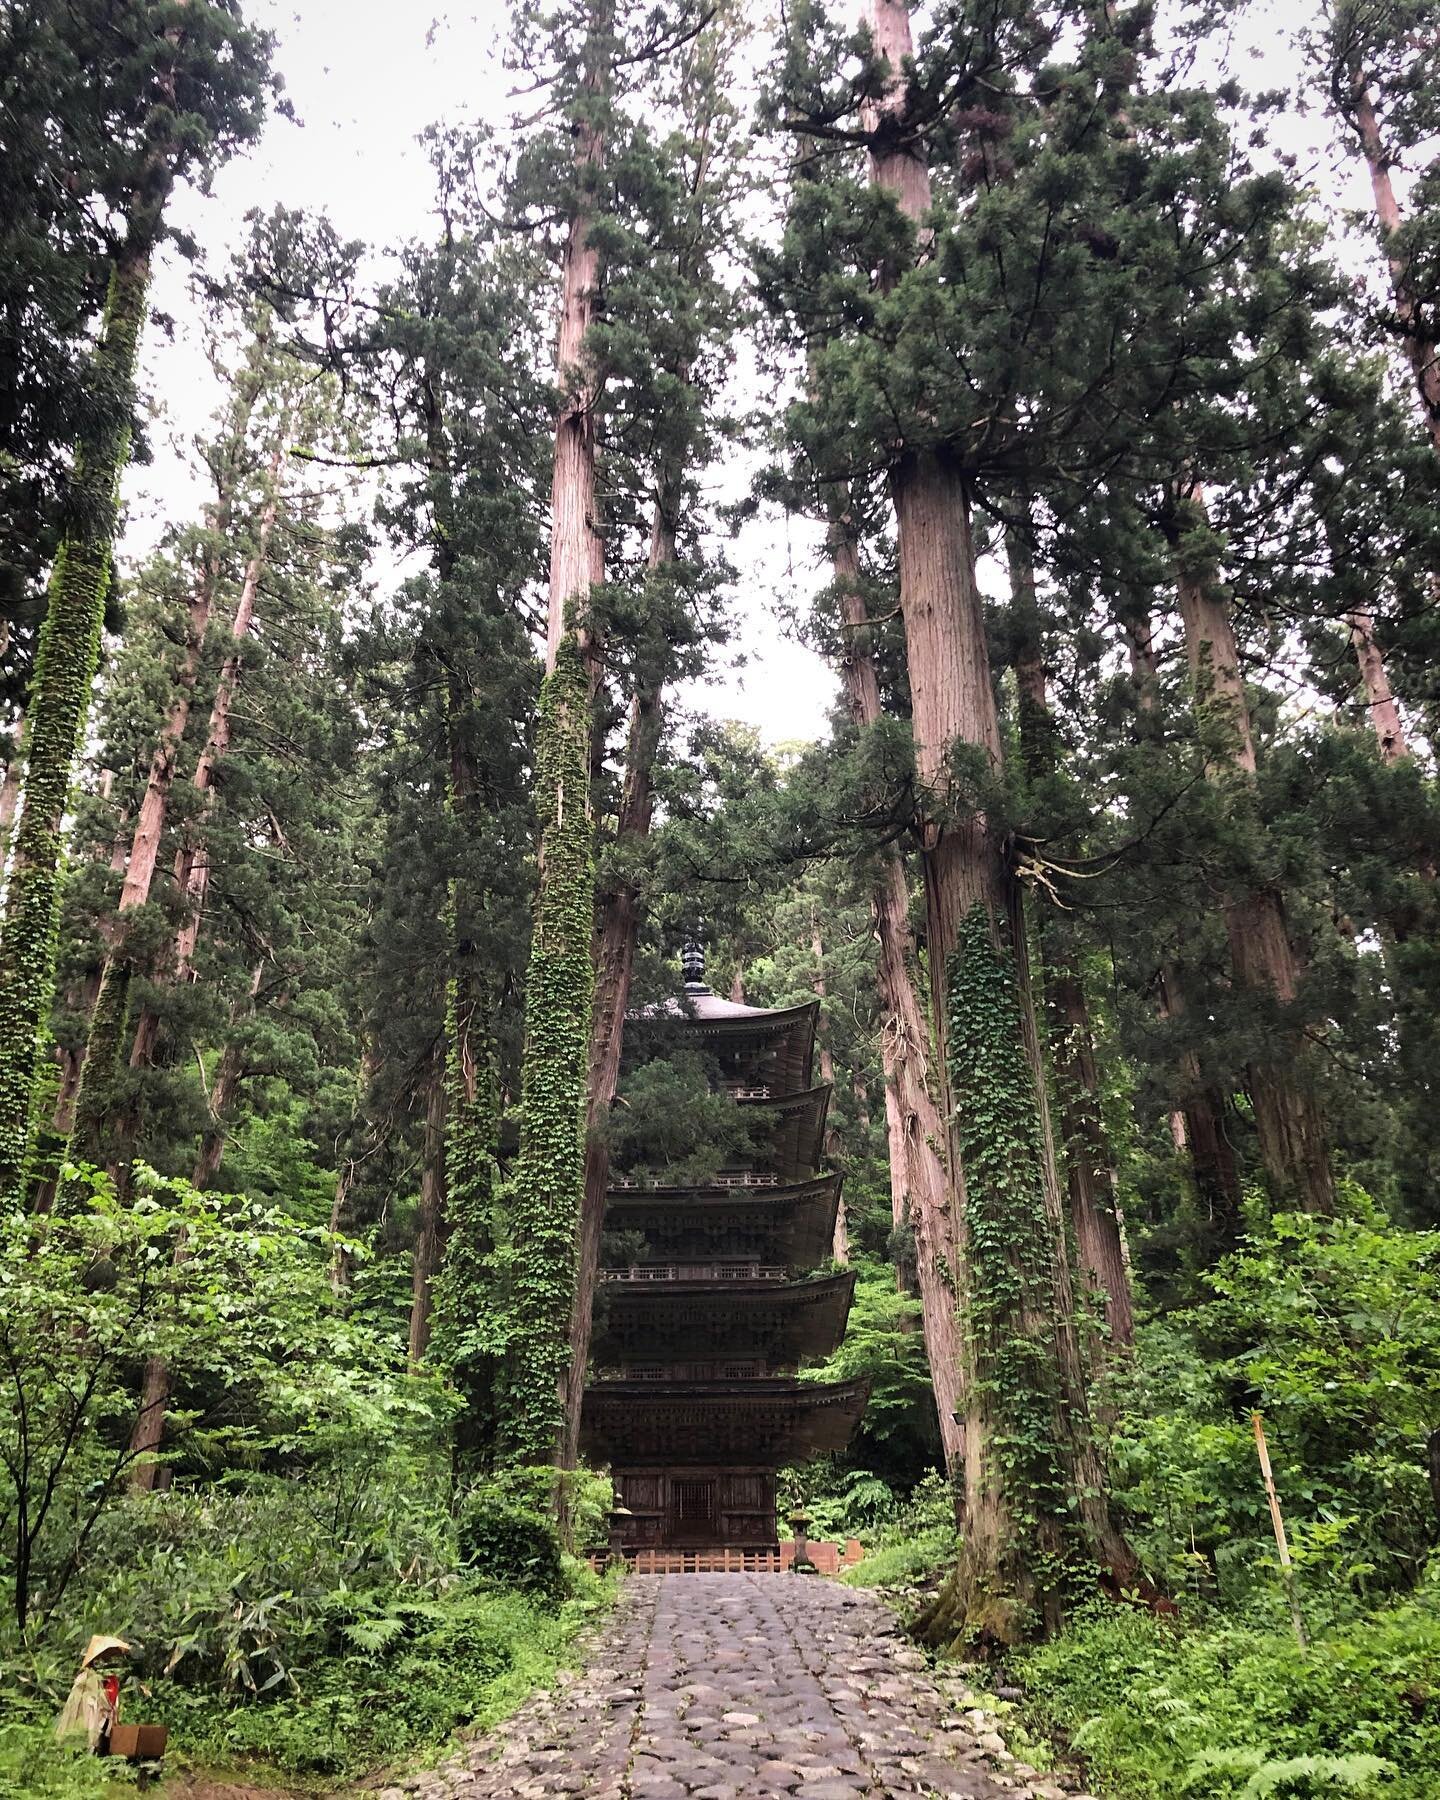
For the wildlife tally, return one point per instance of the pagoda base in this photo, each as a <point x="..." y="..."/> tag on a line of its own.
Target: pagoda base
<point x="694" y="1508"/>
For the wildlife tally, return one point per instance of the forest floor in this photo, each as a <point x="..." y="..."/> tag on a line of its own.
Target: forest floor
<point x="743" y="1687"/>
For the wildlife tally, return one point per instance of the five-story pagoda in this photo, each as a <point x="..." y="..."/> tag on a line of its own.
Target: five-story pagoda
<point x="714" y="1301"/>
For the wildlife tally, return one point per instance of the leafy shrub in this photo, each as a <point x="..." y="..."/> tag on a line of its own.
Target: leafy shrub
<point x="910" y="1561"/>
<point x="1331" y="1329"/>
<point x="917" y="1544"/>
<point x="1233" y="1712"/>
<point x="33" y="1765"/>
<point x="511" y="1545"/>
<point x="466" y="1659"/>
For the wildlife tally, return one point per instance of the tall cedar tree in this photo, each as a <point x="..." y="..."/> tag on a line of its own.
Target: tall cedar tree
<point x="189" y="84"/>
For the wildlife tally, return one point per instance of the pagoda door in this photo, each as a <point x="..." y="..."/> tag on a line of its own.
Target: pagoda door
<point x="693" y="1514"/>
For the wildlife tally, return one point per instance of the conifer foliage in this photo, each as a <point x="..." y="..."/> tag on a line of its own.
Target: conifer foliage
<point x="348" y="824"/>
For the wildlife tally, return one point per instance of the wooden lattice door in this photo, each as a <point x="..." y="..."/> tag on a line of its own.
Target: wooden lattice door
<point x="692" y="1509"/>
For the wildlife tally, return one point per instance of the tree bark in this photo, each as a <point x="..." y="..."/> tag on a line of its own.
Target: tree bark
<point x="548" y="1191"/>
<point x="1202" y="1129"/>
<point x="920" y="1193"/>
<point x="840" y="1241"/>
<point x="1018" y="1529"/>
<point x="1419" y="341"/>
<point x="1198" y="1123"/>
<point x="1294" y="1144"/>
<point x="10" y="793"/>
<point x="430" y="1218"/>
<point x="901" y="1231"/>
<point x="65" y="664"/>
<point x="618" y="910"/>
<point x="1089" y="1165"/>
<point x="96" y="1071"/>
<point x="1380" y="706"/>
<point x="192" y="866"/>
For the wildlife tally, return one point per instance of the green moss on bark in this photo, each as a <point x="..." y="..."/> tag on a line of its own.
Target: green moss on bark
<point x="65" y="665"/>
<point x="1022" y="1546"/>
<point x="545" y="1192"/>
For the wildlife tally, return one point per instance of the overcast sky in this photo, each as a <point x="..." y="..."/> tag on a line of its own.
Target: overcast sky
<point x="365" y="78"/>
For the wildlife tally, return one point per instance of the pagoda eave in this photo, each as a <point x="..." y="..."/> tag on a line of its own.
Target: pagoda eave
<point x="794" y="1224"/>
<point x="797" y="1131"/>
<point x="635" y="1424"/>
<point x="783" y="1323"/>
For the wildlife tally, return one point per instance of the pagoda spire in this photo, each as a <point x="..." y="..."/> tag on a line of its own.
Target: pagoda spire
<point x="692" y="962"/>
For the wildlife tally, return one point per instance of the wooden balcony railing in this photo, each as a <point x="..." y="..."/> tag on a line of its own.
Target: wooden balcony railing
<point x="727" y="1178"/>
<point x="644" y="1273"/>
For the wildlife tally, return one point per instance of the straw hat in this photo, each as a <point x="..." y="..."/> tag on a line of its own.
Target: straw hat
<point x="100" y="1647"/>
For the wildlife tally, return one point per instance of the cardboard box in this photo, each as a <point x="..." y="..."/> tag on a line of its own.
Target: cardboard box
<point x="138" y="1742"/>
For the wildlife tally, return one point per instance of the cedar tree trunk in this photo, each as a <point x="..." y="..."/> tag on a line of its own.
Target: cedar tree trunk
<point x="1294" y="1144"/>
<point x="920" y="1193"/>
<point x="1089" y="1164"/>
<point x="547" y="1190"/>
<point x="1033" y="1515"/>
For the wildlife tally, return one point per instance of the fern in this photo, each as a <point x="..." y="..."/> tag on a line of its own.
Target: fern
<point x="1300" y="1774"/>
<point x="374" y="1635"/>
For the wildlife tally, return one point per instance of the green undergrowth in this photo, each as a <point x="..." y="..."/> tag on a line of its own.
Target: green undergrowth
<point x="395" y="1686"/>
<point x="1224" y="1710"/>
<point x="906" y="1561"/>
<point x="464" y="1661"/>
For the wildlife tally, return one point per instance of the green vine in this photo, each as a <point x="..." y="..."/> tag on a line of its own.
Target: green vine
<point x="66" y="660"/>
<point x="1010" y="1576"/>
<point x="543" y="1197"/>
<point x="468" y="1333"/>
<point x="103" y="1061"/>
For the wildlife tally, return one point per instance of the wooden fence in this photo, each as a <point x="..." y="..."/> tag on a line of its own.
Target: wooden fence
<point x="829" y="1559"/>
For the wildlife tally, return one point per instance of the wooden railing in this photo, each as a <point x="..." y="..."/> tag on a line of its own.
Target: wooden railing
<point x="702" y="1271"/>
<point x="728" y="1178"/>
<point x="775" y="1559"/>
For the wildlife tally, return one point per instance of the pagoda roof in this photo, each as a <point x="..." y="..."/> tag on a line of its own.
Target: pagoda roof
<point x="780" y="1323"/>
<point x="795" y="1222"/>
<point x="786" y="1033"/>
<point x="798" y="1131"/>
<point x="768" y="1422"/>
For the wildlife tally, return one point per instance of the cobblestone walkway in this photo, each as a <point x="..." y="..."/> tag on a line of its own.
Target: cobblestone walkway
<point x="744" y="1687"/>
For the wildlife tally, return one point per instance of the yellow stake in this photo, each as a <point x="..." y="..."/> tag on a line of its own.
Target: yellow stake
<point x="1287" y="1572"/>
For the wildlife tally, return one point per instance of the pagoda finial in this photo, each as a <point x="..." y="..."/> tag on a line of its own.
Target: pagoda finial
<point x="692" y="961"/>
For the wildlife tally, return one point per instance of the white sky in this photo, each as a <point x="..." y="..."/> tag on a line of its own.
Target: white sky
<point x="365" y="78"/>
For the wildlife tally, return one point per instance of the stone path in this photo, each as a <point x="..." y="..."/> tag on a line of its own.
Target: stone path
<point x="744" y="1687"/>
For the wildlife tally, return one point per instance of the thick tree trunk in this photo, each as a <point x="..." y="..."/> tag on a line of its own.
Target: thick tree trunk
<point x="1294" y="1144"/>
<point x="619" y="915"/>
<point x="1419" y="341"/>
<point x="1025" y="1516"/>
<point x="1198" y="1123"/>
<point x="840" y="1242"/>
<point x="549" y="1186"/>
<point x="901" y="1231"/>
<point x="920" y="1192"/>
<point x="1089" y="1164"/>
<point x="150" y="822"/>
<point x="1203" y="1130"/>
<point x="430" y="1218"/>
<point x="65" y="664"/>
